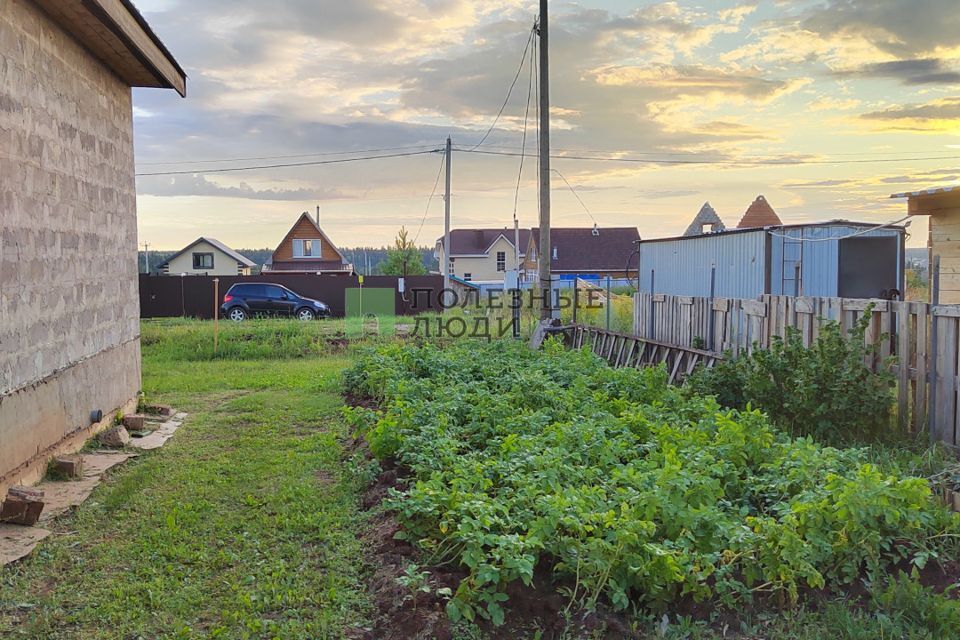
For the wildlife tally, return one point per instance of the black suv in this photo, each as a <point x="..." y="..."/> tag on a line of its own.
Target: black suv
<point x="246" y="299"/>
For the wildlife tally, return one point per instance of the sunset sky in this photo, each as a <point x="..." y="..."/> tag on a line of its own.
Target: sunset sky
<point x="834" y="84"/>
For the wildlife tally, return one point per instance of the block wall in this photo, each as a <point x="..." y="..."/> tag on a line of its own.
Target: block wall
<point x="69" y="329"/>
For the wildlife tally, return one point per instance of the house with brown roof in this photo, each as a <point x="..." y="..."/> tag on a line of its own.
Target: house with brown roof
<point x="307" y="249"/>
<point x="482" y="255"/>
<point x="70" y="328"/>
<point x="582" y="252"/>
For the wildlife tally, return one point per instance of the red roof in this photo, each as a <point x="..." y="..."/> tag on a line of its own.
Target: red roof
<point x="760" y="214"/>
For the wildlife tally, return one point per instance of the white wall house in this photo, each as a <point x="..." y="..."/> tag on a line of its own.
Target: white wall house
<point x="207" y="257"/>
<point x="482" y="255"/>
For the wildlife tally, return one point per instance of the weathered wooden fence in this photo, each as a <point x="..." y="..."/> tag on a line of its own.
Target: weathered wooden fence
<point x="623" y="350"/>
<point x="924" y="340"/>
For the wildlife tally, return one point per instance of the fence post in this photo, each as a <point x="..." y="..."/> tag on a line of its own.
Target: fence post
<point x="934" y="301"/>
<point x="576" y="299"/>
<point x="710" y="314"/>
<point x="216" y="314"/>
<point x="609" y="301"/>
<point x="650" y="335"/>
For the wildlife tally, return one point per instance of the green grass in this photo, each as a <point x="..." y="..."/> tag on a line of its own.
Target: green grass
<point x="245" y="525"/>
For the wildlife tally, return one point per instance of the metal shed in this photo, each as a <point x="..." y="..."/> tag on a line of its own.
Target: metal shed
<point x="832" y="259"/>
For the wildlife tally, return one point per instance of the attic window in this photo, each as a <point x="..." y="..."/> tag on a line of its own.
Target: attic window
<point x="501" y="260"/>
<point x="307" y="248"/>
<point x="203" y="261"/>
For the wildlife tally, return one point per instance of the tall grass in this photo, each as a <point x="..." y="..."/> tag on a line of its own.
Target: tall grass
<point x="192" y="340"/>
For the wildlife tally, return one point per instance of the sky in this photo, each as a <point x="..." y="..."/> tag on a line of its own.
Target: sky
<point x="825" y="107"/>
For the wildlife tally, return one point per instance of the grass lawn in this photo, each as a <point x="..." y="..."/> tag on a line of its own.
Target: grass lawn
<point x="244" y="526"/>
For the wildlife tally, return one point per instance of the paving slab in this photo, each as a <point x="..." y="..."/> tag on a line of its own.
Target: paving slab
<point x="61" y="496"/>
<point x="159" y="436"/>
<point x="17" y="541"/>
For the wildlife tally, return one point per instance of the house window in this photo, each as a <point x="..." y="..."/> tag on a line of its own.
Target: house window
<point x="450" y="268"/>
<point x="468" y="277"/>
<point x="306" y="248"/>
<point x="501" y="260"/>
<point x="203" y="261"/>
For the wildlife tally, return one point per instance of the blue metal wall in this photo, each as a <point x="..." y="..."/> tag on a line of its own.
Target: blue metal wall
<point x="820" y="265"/>
<point x="682" y="266"/>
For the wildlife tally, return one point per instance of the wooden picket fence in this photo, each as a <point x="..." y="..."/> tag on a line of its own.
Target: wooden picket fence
<point x="924" y="341"/>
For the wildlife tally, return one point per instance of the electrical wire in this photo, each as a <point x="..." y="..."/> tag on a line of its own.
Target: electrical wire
<point x="523" y="59"/>
<point x="299" y="155"/>
<point x="430" y="199"/>
<point x="742" y="162"/>
<point x="834" y="239"/>
<point x="526" y="117"/>
<point x="287" y="165"/>
<point x="575" y="195"/>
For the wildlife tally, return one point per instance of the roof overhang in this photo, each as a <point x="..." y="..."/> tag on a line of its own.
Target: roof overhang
<point x="931" y="201"/>
<point x="116" y="34"/>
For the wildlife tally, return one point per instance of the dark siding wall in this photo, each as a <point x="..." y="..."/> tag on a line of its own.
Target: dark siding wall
<point x="192" y="296"/>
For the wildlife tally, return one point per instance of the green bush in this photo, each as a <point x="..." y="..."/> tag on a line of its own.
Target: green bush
<point x="626" y="489"/>
<point x="826" y="391"/>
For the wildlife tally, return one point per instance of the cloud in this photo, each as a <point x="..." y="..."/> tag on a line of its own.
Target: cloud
<point x="199" y="185"/>
<point x="898" y="27"/>
<point x="942" y="115"/>
<point x="915" y="71"/>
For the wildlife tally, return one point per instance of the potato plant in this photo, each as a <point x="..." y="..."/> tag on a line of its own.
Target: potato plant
<point x="623" y="488"/>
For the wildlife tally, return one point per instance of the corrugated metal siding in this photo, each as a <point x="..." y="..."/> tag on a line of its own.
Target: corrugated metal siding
<point x="820" y="261"/>
<point x="682" y="266"/>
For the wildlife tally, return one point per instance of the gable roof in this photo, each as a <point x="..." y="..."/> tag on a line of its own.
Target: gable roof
<point x="580" y="249"/>
<point x="707" y="215"/>
<point x="760" y="214"/>
<point x="475" y="242"/>
<point x="115" y="33"/>
<point x="323" y="236"/>
<point x="242" y="259"/>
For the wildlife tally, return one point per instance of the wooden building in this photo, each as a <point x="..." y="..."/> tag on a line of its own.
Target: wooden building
<point x="943" y="207"/>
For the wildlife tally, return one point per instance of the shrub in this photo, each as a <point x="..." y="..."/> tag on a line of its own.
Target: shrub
<point x="826" y="391"/>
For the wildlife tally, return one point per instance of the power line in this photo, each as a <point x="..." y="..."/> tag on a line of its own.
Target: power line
<point x="575" y="195"/>
<point x="288" y="165"/>
<point x="526" y="116"/>
<point x="523" y="59"/>
<point x="732" y="162"/>
<point x="430" y="199"/>
<point x="300" y="155"/>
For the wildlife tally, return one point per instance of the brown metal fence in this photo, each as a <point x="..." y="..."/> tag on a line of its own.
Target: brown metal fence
<point x="193" y="296"/>
<point x="923" y="338"/>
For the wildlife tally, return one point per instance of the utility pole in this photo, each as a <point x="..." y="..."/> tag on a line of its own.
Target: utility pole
<point x="446" y="225"/>
<point x="146" y="258"/>
<point x="546" y="252"/>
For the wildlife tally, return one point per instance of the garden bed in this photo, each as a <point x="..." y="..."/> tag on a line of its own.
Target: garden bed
<point x="601" y="490"/>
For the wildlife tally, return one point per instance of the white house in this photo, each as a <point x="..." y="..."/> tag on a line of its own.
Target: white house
<point x="482" y="255"/>
<point x="207" y="257"/>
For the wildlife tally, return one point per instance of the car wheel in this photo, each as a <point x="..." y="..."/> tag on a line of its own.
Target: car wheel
<point x="237" y="314"/>
<point x="305" y="314"/>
